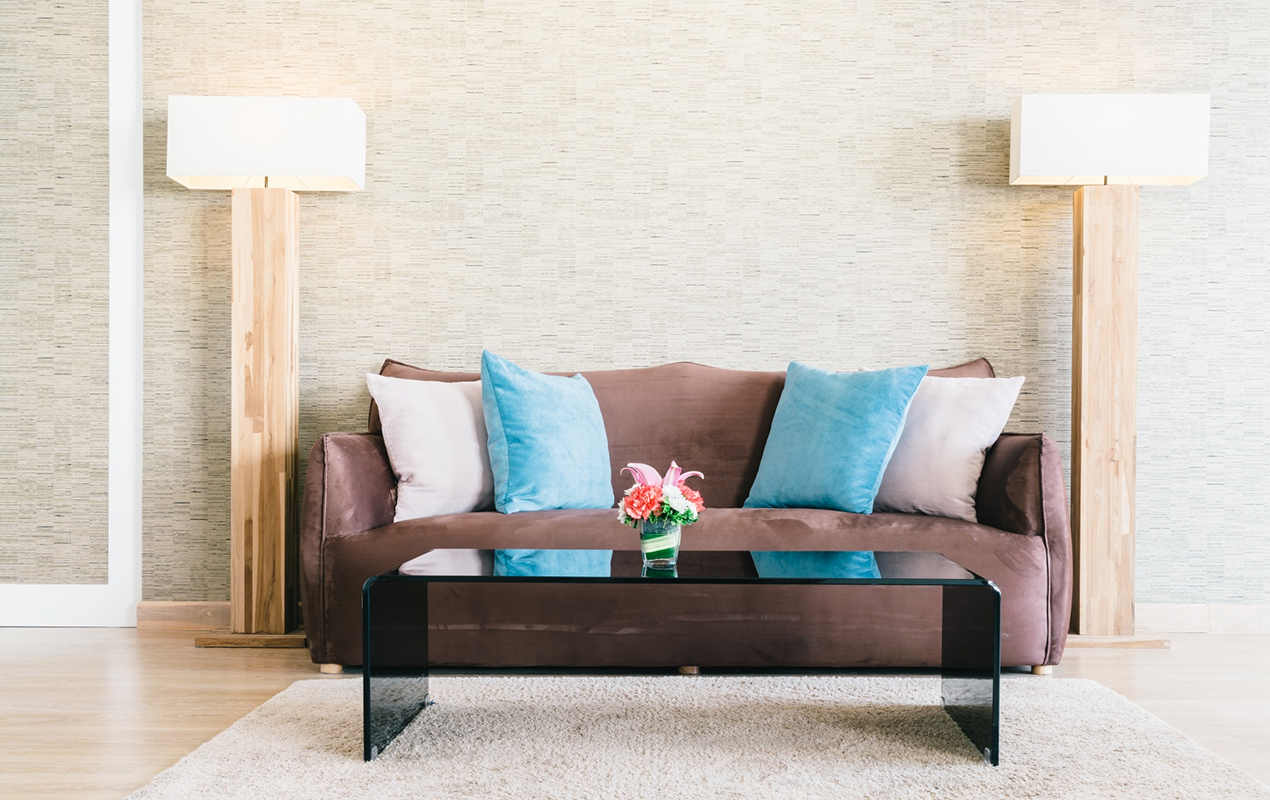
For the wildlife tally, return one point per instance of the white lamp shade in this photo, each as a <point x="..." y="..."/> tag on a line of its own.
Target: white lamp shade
<point x="1078" y="139"/>
<point x="315" y="144"/>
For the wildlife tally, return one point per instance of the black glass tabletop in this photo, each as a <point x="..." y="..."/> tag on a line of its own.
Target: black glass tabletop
<point x="728" y="566"/>
<point x="398" y="625"/>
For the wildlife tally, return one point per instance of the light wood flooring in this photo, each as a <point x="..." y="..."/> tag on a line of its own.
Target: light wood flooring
<point x="96" y="713"/>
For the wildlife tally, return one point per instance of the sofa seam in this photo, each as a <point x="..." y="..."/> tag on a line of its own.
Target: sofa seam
<point x="322" y="549"/>
<point x="1049" y="566"/>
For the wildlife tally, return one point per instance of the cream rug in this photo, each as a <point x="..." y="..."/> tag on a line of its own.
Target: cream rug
<point x="699" y="737"/>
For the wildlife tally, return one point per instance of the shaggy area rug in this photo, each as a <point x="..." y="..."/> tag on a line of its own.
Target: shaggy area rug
<point x="697" y="737"/>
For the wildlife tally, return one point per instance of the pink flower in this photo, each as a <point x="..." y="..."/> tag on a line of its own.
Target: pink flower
<point x="647" y="476"/>
<point x="654" y="495"/>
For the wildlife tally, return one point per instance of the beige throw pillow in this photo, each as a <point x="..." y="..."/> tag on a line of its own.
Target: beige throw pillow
<point x="951" y="424"/>
<point x="436" y="441"/>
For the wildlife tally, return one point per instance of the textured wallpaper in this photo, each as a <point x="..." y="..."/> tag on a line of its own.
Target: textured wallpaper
<point x="579" y="186"/>
<point x="54" y="276"/>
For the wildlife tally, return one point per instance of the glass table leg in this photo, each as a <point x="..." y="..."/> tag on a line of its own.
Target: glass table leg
<point x="394" y="660"/>
<point x="971" y="664"/>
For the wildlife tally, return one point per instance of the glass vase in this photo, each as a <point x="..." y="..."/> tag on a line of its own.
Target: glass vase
<point x="659" y="543"/>
<point x="653" y="572"/>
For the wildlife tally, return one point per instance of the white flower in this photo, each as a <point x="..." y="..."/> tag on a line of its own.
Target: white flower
<point x="676" y="500"/>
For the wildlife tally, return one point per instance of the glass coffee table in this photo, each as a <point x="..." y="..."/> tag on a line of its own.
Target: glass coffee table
<point x="396" y="630"/>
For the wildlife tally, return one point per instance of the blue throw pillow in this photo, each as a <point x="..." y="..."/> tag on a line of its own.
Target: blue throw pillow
<point x="811" y="564"/>
<point x="557" y="563"/>
<point x="548" y="450"/>
<point x="831" y="437"/>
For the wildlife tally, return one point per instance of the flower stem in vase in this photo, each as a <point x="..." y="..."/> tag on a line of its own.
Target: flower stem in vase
<point x="659" y="542"/>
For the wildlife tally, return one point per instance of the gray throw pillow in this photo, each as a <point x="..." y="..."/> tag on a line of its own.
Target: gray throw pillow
<point x="951" y="423"/>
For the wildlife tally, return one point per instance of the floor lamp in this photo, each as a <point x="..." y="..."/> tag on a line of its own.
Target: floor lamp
<point x="1107" y="145"/>
<point x="264" y="150"/>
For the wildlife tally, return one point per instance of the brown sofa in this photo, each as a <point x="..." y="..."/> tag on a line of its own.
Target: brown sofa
<point x="716" y="421"/>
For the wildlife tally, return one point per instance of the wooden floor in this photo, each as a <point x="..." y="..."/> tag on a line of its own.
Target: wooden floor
<point x="95" y="713"/>
<point x="1215" y="688"/>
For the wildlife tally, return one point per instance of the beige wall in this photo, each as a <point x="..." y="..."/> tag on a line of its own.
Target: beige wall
<point x="594" y="185"/>
<point x="54" y="279"/>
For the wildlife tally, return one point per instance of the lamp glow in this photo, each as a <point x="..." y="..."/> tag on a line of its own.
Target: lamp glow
<point x="1081" y="139"/>
<point x="303" y="143"/>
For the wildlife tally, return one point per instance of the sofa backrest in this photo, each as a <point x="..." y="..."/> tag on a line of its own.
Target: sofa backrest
<point x="708" y="419"/>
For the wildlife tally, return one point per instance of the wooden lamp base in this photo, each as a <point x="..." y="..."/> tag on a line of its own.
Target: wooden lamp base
<point x="265" y="401"/>
<point x="254" y="640"/>
<point x="1104" y="408"/>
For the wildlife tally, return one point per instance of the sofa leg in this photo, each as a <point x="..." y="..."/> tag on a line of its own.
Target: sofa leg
<point x="331" y="669"/>
<point x="690" y="670"/>
<point x="1043" y="669"/>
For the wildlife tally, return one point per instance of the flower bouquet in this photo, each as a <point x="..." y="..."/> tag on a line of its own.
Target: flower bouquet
<point x="659" y="507"/>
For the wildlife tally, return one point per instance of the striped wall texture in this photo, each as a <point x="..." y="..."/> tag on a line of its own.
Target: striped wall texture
<point x="53" y="291"/>
<point x="590" y="185"/>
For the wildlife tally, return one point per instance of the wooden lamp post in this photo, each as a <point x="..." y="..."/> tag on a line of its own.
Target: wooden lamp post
<point x="264" y="149"/>
<point x="1107" y="145"/>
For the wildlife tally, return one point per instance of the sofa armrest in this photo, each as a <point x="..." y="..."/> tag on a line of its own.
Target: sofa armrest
<point x="1021" y="490"/>
<point x="349" y="488"/>
<point x="1011" y="494"/>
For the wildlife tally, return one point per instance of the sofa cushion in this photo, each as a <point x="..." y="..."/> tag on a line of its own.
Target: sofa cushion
<point x="548" y="450"/>
<point x="815" y="564"/>
<point x="718" y="529"/>
<point x="1017" y="564"/>
<point x="547" y="445"/>
<point x="706" y="418"/>
<point x="831" y="438"/>
<point x="556" y="563"/>
<point x="436" y="440"/>
<point x="977" y="368"/>
<point x="450" y="562"/>
<point x="950" y="426"/>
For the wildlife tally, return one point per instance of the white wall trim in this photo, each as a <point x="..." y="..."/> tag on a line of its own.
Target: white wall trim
<point x="113" y="604"/>
<point x="1203" y="617"/>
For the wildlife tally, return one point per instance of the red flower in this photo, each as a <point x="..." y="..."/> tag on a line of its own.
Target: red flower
<point x="642" y="501"/>
<point x="692" y="496"/>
